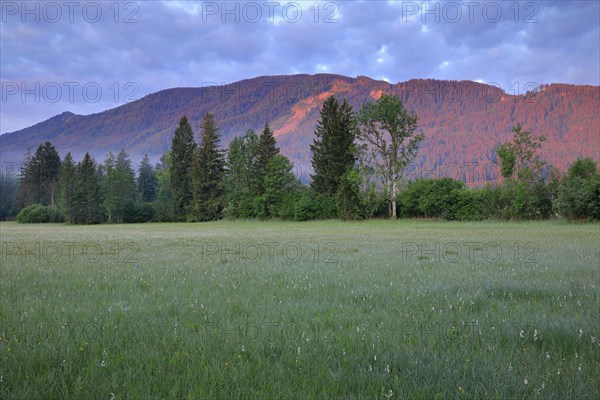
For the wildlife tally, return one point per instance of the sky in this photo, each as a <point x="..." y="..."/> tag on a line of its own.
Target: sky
<point x="87" y="57"/>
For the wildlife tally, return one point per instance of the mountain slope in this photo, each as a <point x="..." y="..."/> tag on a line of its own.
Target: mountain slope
<point x="462" y="121"/>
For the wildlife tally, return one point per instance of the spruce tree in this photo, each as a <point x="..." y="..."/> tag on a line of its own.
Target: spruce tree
<point x="24" y="195"/>
<point x="108" y="189"/>
<point x="265" y="150"/>
<point x="49" y="164"/>
<point x="120" y="187"/>
<point x="182" y="155"/>
<point x="208" y="168"/>
<point x="241" y="182"/>
<point x="164" y="197"/>
<point x="40" y="176"/>
<point x="333" y="152"/>
<point x="67" y="189"/>
<point x="147" y="183"/>
<point x="88" y="199"/>
<point x="281" y="186"/>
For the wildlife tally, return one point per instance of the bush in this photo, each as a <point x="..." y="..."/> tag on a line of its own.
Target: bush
<point x="443" y="198"/>
<point x="579" y="197"/>
<point x="349" y="202"/>
<point x="469" y="206"/>
<point x="139" y="212"/>
<point x="515" y="200"/>
<point x="39" y="214"/>
<point x="305" y="208"/>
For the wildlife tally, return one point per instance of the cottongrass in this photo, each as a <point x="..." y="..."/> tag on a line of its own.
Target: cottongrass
<point x="369" y="325"/>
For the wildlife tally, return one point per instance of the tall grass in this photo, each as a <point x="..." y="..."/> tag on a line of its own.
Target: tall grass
<point x="312" y="310"/>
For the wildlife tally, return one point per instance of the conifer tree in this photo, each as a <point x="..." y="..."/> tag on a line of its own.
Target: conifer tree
<point x="88" y="199"/>
<point x="280" y="186"/>
<point x="241" y="182"/>
<point x="119" y="186"/>
<point x="182" y="155"/>
<point x="265" y="150"/>
<point x="67" y="182"/>
<point x="208" y="168"/>
<point x="333" y="152"/>
<point x="40" y="176"/>
<point x="164" y="197"/>
<point x="147" y="183"/>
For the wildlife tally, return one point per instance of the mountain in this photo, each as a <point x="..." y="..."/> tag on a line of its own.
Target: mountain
<point x="463" y="121"/>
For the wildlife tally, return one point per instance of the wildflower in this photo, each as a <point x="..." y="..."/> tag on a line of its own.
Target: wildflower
<point x="522" y="334"/>
<point x="580" y="332"/>
<point x="387" y="369"/>
<point x="510" y="367"/>
<point x="526" y="382"/>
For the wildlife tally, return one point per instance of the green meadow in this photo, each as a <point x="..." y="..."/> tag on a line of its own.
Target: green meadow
<point x="314" y="310"/>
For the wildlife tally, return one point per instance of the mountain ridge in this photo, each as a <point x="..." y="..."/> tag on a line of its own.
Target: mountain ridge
<point x="462" y="120"/>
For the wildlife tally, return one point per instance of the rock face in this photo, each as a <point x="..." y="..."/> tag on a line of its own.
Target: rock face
<point x="462" y="121"/>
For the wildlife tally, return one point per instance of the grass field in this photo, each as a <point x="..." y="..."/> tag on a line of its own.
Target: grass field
<point x="316" y="310"/>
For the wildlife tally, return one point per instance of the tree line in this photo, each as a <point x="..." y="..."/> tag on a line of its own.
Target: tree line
<point x="359" y="161"/>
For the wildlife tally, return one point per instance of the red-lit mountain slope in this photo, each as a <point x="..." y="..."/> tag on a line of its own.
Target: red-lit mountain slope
<point x="462" y="121"/>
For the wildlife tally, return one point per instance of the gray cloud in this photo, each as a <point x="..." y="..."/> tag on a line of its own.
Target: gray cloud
<point x="189" y="43"/>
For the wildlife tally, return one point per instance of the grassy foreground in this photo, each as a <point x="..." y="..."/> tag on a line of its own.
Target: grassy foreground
<point x="316" y="310"/>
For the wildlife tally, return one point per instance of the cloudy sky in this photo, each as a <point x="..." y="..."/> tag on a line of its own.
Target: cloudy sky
<point x="87" y="57"/>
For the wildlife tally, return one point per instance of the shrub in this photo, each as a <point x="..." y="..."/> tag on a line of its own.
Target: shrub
<point x="579" y="197"/>
<point x="515" y="200"/>
<point x="39" y="214"/>
<point x="139" y="212"/>
<point x="443" y="198"/>
<point x="305" y="208"/>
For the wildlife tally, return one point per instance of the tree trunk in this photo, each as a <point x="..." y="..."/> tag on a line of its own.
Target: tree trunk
<point x="393" y="202"/>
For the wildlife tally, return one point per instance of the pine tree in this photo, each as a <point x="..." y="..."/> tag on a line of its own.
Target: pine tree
<point x="265" y="150"/>
<point x="333" y="147"/>
<point x="147" y="183"/>
<point x="88" y="197"/>
<point x="67" y="189"/>
<point x="182" y="155"/>
<point x="208" y="168"/>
